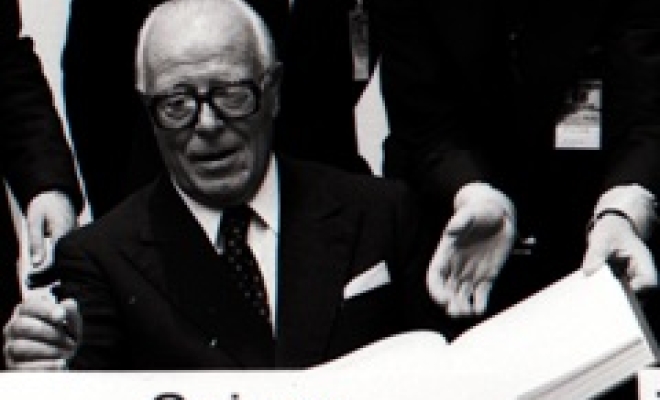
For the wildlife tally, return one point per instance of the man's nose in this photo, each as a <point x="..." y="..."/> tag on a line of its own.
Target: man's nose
<point x="209" y="120"/>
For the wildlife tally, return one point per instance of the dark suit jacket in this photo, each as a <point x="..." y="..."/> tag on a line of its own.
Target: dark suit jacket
<point x="115" y="149"/>
<point x="153" y="296"/>
<point x="318" y="91"/>
<point x="474" y="89"/>
<point x="33" y="152"/>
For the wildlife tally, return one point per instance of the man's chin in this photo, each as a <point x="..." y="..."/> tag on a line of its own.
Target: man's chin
<point x="226" y="193"/>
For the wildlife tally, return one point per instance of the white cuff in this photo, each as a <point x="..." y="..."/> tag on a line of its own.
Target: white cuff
<point x="634" y="201"/>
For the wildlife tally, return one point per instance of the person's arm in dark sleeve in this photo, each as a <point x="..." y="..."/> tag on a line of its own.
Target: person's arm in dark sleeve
<point x="422" y="102"/>
<point x="104" y="112"/>
<point x="440" y="73"/>
<point x="36" y="156"/>
<point x="625" y="213"/>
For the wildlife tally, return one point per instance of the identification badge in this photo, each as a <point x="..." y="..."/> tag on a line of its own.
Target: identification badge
<point x="358" y="25"/>
<point x="580" y="126"/>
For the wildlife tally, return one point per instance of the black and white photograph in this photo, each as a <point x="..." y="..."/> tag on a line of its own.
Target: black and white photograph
<point x="330" y="199"/>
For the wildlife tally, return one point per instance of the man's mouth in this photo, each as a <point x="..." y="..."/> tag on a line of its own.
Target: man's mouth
<point x="214" y="160"/>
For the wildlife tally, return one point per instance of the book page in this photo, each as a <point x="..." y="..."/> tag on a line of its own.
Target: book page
<point x="570" y="325"/>
<point x="402" y="351"/>
<point x="574" y="337"/>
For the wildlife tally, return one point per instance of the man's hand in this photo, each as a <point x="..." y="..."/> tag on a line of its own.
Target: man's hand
<point x="49" y="214"/>
<point x="42" y="334"/>
<point x="623" y="218"/>
<point x="474" y="246"/>
<point x="614" y="236"/>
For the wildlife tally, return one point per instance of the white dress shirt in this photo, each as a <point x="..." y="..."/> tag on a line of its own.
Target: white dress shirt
<point x="263" y="232"/>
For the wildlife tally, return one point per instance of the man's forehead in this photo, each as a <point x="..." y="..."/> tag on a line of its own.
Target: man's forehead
<point x="199" y="40"/>
<point x="200" y="50"/>
<point x="195" y="29"/>
<point x="171" y="73"/>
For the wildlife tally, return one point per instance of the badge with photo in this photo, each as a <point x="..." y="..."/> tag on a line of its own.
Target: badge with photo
<point x="579" y="128"/>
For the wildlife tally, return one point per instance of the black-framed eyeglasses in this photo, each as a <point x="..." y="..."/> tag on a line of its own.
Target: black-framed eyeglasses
<point x="230" y="101"/>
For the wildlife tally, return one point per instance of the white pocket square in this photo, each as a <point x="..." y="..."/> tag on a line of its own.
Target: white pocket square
<point x="374" y="277"/>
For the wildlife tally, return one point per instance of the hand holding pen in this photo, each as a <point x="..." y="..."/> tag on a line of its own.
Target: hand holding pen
<point x="42" y="334"/>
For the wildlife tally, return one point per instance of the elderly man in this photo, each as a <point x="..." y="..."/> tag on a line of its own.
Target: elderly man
<point x="168" y="280"/>
<point x="313" y="38"/>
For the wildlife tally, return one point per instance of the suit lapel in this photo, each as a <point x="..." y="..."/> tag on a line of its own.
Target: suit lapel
<point x="315" y="250"/>
<point x="177" y="258"/>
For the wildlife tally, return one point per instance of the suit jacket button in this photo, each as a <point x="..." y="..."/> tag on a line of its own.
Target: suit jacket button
<point x="213" y="343"/>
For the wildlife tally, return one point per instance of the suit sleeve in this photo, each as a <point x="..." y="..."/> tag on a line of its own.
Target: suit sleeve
<point x="423" y="101"/>
<point x="416" y="240"/>
<point x="107" y="122"/>
<point x="81" y="279"/>
<point x="631" y="96"/>
<point x="35" y="155"/>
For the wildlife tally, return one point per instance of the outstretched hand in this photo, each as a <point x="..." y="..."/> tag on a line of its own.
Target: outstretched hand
<point x="474" y="246"/>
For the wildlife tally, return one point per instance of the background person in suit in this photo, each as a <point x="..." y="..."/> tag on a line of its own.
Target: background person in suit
<point x="36" y="161"/>
<point x="158" y="289"/>
<point x="476" y="94"/>
<point x="312" y="37"/>
<point x="322" y="81"/>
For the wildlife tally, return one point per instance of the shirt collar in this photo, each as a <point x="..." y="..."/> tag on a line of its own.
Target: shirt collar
<point x="265" y="204"/>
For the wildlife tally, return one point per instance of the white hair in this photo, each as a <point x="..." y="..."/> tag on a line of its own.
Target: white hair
<point x="265" y="49"/>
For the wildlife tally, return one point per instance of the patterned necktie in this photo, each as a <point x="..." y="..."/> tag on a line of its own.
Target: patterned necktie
<point x="241" y="261"/>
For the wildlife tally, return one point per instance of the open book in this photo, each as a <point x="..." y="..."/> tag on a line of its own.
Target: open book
<point x="572" y="340"/>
